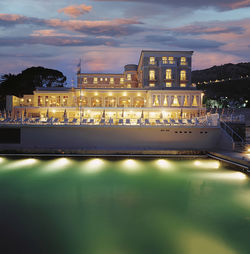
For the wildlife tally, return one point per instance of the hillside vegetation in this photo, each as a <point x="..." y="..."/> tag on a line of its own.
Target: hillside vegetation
<point x="225" y="86"/>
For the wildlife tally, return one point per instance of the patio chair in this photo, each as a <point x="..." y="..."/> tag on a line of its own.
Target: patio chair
<point x="65" y="120"/>
<point x="127" y="121"/>
<point x="26" y="120"/>
<point x="56" y="120"/>
<point x="147" y="121"/>
<point x="74" y="121"/>
<point x="84" y="120"/>
<point x="172" y="121"/>
<point x="158" y="122"/>
<point x="91" y="121"/>
<point x="111" y="121"/>
<point x="165" y="121"/>
<point x="102" y="121"/>
<point x="120" y="121"/>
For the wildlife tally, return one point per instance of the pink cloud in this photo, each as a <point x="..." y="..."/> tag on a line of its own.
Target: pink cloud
<point x="115" y="27"/>
<point x="203" y="60"/>
<point x="75" y="11"/>
<point x="237" y="5"/>
<point x="47" y="32"/>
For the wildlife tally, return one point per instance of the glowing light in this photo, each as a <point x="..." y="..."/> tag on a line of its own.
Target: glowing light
<point x="2" y="160"/>
<point x="22" y="163"/>
<point x="138" y="94"/>
<point x="53" y="111"/>
<point x="162" y="164"/>
<point x="228" y="176"/>
<point x="207" y="164"/>
<point x="94" y="166"/>
<point x="57" y="165"/>
<point x="124" y="94"/>
<point x="110" y="94"/>
<point x="96" y="94"/>
<point x="131" y="165"/>
<point x="248" y="150"/>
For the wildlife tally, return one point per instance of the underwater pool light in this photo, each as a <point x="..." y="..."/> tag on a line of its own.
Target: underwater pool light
<point x="93" y="165"/>
<point x="57" y="165"/>
<point x="207" y="164"/>
<point x="131" y="165"/>
<point x="162" y="164"/>
<point x="22" y="163"/>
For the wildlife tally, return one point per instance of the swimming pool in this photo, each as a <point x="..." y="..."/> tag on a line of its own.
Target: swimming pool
<point x="123" y="206"/>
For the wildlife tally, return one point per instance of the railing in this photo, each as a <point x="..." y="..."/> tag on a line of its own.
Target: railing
<point x="234" y="135"/>
<point x="233" y="118"/>
<point x="195" y="122"/>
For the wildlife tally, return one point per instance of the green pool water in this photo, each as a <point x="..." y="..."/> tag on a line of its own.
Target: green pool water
<point x="123" y="206"/>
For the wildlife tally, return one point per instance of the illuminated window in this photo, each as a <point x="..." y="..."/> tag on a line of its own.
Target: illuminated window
<point x="112" y="81"/>
<point x="122" y="80"/>
<point x="129" y="85"/>
<point x="195" y="104"/>
<point x="164" y="60"/>
<point x="101" y="79"/>
<point x="175" y="101"/>
<point x="129" y="76"/>
<point x="168" y="74"/>
<point x="182" y="85"/>
<point x="106" y="79"/>
<point x="151" y="75"/>
<point x="183" y="75"/>
<point x="183" y="60"/>
<point x="152" y="84"/>
<point x="156" y="100"/>
<point x="85" y="80"/>
<point x="152" y="60"/>
<point x="171" y="59"/>
<point x="168" y="84"/>
<point x="95" y="80"/>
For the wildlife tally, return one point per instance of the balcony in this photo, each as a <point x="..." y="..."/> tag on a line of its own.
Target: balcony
<point x="167" y="63"/>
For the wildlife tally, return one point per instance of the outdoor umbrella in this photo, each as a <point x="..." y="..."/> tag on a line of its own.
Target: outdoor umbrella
<point x="25" y="112"/>
<point x="65" y="114"/>
<point x="47" y="114"/>
<point x="142" y="114"/>
<point x="103" y="114"/>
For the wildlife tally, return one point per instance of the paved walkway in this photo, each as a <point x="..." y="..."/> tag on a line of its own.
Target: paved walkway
<point x="236" y="157"/>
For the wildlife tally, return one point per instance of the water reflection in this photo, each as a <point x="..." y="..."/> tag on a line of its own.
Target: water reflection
<point x="122" y="206"/>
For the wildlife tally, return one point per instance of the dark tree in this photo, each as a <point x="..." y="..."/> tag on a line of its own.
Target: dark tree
<point x="27" y="81"/>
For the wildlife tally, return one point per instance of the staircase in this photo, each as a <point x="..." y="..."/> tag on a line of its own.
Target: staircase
<point x="239" y="143"/>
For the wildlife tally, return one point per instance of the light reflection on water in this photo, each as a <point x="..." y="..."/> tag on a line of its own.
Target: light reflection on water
<point x="123" y="206"/>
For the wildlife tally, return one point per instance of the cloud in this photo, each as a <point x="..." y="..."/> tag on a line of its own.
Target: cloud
<point x="182" y="42"/>
<point x="221" y="5"/>
<point x="75" y="11"/>
<point x="208" y="28"/>
<point x="57" y="41"/>
<point x="115" y="27"/>
<point x="47" y="32"/>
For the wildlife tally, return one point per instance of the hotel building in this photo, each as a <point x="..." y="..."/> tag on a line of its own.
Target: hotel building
<point x="159" y="87"/>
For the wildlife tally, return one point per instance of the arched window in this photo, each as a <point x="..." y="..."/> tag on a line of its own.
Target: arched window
<point x="168" y="74"/>
<point x="96" y="102"/>
<point x="124" y="101"/>
<point x="139" y="102"/>
<point x="183" y="75"/>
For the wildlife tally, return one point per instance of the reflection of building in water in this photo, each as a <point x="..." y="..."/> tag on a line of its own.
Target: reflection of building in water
<point x="158" y="87"/>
